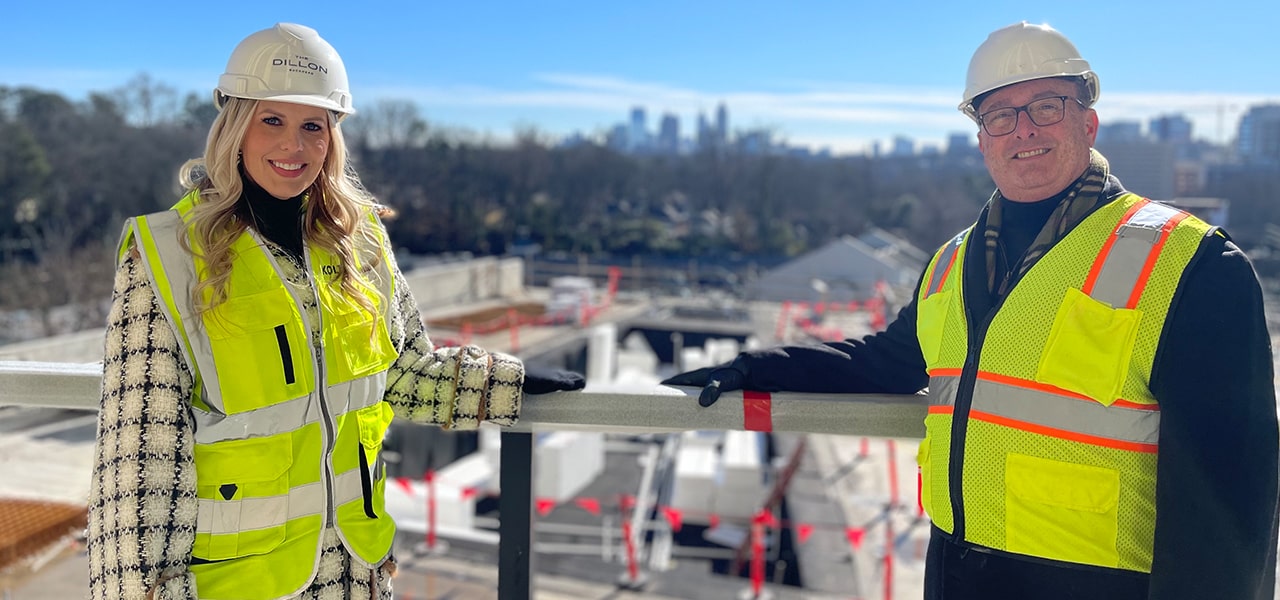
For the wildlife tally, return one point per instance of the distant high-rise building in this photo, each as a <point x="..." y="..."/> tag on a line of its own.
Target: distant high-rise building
<point x="1120" y="132"/>
<point x="617" y="138"/>
<point x="755" y="142"/>
<point x="1175" y="129"/>
<point x="960" y="145"/>
<point x="1258" y="140"/>
<point x="638" y="135"/>
<point x="1146" y="167"/>
<point x="903" y="146"/>
<point x="703" y="136"/>
<point x="669" y="134"/>
<point x="722" y="123"/>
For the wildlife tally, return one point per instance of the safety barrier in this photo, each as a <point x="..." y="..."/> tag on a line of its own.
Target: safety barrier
<point x="661" y="410"/>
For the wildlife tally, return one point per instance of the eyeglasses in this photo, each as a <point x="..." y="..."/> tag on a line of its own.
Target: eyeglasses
<point x="1043" y="112"/>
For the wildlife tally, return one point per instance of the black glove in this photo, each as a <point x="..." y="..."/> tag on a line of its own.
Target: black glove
<point x="713" y="380"/>
<point x="541" y="380"/>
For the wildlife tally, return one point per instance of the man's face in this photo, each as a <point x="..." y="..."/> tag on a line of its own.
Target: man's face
<point x="1035" y="162"/>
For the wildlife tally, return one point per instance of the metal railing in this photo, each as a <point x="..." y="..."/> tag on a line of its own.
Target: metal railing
<point x="663" y="410"/>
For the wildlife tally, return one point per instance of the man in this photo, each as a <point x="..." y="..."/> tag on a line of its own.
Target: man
<point x="1102" y="418"/>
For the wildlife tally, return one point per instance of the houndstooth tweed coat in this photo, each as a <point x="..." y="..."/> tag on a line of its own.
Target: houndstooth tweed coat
<point x="142" y="500"/>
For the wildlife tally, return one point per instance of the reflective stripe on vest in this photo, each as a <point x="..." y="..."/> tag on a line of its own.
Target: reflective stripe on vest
<point x="1049" y="464"/>
<point x="285" y="416"/>
<point x="1050" y="411"/>
<point x="942" y="266"/>
<point x="246" y="514"/>
<point x="1120" y="273"/>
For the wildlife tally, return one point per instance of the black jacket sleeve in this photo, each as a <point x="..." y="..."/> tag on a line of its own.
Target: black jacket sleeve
<point x="1217" y="468"/>
<point x="886" y="362"/>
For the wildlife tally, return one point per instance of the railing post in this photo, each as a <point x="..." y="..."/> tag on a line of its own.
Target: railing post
<point x="515" y="508"/>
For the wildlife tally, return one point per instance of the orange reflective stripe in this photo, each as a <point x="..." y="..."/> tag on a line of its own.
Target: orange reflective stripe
<point x="1040" y="408"/>
<point x="1096" y="269"/>
<point x="946" y="259"/>
<point x="1053" y="389"/>
<point x="1120" y="272"/>
<point x="1151" y="258"/>
<point x="1026" y="404"/>
<point x="1072" y="436"/>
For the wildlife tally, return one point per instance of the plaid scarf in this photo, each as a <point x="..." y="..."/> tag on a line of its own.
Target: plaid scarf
<point x="1083" y="196"/>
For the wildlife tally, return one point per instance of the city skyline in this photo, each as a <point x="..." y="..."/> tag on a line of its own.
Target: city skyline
<point x="819" y="74"/>
<point x="669" y="135"/>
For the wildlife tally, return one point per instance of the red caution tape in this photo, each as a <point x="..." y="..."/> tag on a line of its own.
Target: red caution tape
<point x="590" y="505"/>
<point x="919" y="492"/>
<point x="757" y="411"/>
<point x="674" y="517"/>
<point x="757" y="555"/>
<point x="403" y="482"/>
<point x="633" y="569"/>
<point x="765" y="518"/>
<point x="855" y="535"/>
<point x="430" y="478"/>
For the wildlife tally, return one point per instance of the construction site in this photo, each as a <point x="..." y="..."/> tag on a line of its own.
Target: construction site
<point x="629" y="490"/>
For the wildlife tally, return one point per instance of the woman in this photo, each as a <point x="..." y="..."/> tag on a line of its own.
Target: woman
<point x="260" y="340"/>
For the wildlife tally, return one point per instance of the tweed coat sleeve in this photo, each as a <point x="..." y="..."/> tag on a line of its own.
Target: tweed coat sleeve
<point x="142" y="498"/>
<point x="453" y="387"/>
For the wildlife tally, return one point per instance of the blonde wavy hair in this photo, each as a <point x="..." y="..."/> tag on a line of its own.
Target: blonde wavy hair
<point x="337" y="211"/>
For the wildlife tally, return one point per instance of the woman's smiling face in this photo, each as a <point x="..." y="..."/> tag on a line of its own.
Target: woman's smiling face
<point x="285" y="147"/>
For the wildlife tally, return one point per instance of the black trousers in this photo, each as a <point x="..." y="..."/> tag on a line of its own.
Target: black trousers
<point x="957" y="572"/>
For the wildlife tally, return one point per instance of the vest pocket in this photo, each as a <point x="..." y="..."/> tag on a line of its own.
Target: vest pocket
<point x="353" y="347"/>
<point x="1061" y="511"/>
<point x="1089" y="348"/>
<point x="258" y="349"/>
<point x="931" y="319"/>
<point x="373" y="422"/>
<point x="242" y="488"/>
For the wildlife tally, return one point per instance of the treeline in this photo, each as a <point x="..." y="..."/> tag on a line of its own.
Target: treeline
<point x="72" y="171"/>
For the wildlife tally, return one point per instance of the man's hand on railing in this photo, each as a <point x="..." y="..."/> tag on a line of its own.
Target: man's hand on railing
<point x="540" y="380"/>
<point x="713" y="380"/>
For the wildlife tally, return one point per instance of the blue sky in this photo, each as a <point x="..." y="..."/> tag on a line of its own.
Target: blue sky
<point x="822" y="74"/>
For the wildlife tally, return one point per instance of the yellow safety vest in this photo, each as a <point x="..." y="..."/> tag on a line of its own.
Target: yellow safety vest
<point x="288" y="426"/>
<point x="1042" y="432"/>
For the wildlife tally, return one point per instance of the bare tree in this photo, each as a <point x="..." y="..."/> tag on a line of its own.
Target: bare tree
<point x="387" y="124"/>
<point x="148" y="102"/>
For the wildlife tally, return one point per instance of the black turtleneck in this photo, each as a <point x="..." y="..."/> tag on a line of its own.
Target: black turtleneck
<point x="279" y="221"/>
<point x="1021" y="222"/>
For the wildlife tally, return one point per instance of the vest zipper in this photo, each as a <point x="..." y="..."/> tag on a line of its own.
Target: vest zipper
<point x="959" y="426"/>
<point x="317" y="346"/>
<point x="960" y="415"/>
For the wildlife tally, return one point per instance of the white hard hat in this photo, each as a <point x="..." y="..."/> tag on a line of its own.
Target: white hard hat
<point x="287" y="63"/>
<point x="1022" y="52"/>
